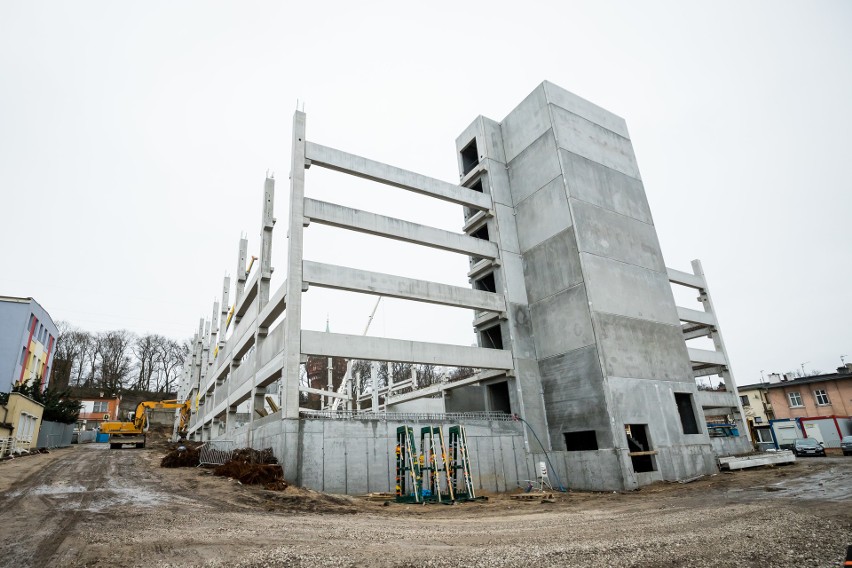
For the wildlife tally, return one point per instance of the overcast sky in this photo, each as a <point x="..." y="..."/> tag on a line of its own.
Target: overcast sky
<point x="135" y="138"/>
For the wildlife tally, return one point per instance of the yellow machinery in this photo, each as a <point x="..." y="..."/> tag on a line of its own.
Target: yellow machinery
<point x="133" y="431"/>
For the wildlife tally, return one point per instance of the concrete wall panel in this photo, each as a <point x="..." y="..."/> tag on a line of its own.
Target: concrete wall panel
<point x="629" y="290"/>
<point x="535" y="167"/>
<point x="608" y="234"/>
<point x="551" y="266"/>
<point x="522" y="332"/>
<point x="587" y="139"/>
<point x="543" y="215"/>
<point x="508" y="228"/>
<point x="562" y="322"/>
<point x="642" y="349"/>
<point x="596" y="184"/>
<point x="581" y="107"/>
<point x="525" y="123"/>
<point x="513" y="270"/>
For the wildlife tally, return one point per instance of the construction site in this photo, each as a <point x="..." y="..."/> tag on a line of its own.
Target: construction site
<point x="584" y="363"/>
<point x="595" y="422"/>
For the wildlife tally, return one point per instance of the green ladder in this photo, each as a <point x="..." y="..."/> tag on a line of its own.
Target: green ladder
<point x="460" y="477"/>
<point x="433" y="466"/>
<point x="408" y="482"/>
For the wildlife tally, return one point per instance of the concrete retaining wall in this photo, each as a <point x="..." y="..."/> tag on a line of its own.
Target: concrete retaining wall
<point x="358" y="456"/>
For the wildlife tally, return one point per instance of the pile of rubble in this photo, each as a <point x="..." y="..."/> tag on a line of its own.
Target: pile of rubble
<point x="246" y="465"/>
<point x="254" y="467"/>
<point x="186" y="454"/>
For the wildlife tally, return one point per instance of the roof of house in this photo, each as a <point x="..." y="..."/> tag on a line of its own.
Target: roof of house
<point x="798" y="381"/>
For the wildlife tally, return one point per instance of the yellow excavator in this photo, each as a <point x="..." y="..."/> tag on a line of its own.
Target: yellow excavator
<point x="133" y="431"/>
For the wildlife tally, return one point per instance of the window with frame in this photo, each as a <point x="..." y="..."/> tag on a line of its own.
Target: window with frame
<point x="744" y="400"/>
<point x="795" y="399"/>
<point x="764" y="436"/>
<point x="821" y="397"/>
<point x="100" y="406"/>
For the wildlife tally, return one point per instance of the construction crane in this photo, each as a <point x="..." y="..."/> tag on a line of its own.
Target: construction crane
<point x="347" y="378"/>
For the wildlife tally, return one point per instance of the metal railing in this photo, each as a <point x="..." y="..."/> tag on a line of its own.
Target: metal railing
<point x="216" y="452"/>
<point x="406" y="416"/>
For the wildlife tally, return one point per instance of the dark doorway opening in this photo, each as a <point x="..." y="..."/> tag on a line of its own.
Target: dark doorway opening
<point x="498" y="398"/>
<point x="687" y="413"/>
<point x="639" y="447"/>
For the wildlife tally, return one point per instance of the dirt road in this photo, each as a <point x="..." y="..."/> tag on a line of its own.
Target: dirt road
<point x="90" y="506"/>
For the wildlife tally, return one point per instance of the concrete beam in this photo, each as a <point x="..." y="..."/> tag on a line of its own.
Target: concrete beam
<point x="685" y="278"/>
<point x="706" y="357"/>
<point x="330" y="393"/>
<point x="245" y="342"/>
<point x="248" y="297"/>
<point x="696" y="316"/>
<point x="372" y="224"/>
<point x="436" y="388"/>
<point x="276" y="306"/>
<point x="353" y="280"/>
<point x="707" y="371"/>
<point x="397" y="177"/>
<point x="398" y="350"/>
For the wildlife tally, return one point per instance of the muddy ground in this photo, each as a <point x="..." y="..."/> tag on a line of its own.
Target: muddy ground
<point x="92" y="506"/>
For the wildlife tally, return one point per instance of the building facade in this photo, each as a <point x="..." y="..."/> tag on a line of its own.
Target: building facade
<point x="97" y="409"/>
<point x="27" y="341"/>
<point x="20" y="421"/>
<point x="820" y="395"/>
<point x="805" y="405"/>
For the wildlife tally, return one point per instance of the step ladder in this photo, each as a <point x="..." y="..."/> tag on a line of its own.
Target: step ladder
<point x="434" y="470"/>
<point x="460" y="476"/>
<point x="408" y="482"/>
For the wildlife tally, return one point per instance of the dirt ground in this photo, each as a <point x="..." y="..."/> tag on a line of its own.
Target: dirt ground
<point x="91" y="506"/>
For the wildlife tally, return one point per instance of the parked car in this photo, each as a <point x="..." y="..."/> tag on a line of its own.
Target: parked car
<point x="808" y="447"/>
<point x="846" y="445"/>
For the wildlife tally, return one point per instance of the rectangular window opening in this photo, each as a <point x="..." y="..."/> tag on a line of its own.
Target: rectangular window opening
<point x="477" y="186"/>
<point x="491" y="338"/>
<point x="581" y="441"/>
<point x="481" y="233"/>
<point x="470" y="157"/>
<point x="821" y="397"/>
<point x="744" y="400"/>
<point x="498" y="398"/>
<point x="486" y="283"/>
<point x="687" y="413"/>
<point x="639" y="446"/>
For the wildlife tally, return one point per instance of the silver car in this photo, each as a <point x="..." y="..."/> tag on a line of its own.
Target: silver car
<point x="846" y="445"/>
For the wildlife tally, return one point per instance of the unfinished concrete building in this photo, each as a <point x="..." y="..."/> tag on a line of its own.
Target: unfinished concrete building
<point x="583" y="357"/>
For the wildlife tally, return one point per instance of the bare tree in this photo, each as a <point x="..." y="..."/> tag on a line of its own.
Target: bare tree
<point x="147" y="350"/>
<point x="114" y="355"/>
<point x="170" y="359"/>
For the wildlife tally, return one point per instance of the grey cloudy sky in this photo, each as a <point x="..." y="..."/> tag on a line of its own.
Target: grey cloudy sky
<point x="135" y="137"/>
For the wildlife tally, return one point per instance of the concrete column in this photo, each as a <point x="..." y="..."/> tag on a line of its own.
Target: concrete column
<point x="267" y="222"/>
<point x="374" y="381"/>
<point x="230" y="419"/>
<point x="241" y="275"/>
<point x="259" y="402"/>
<point x="730" y="385"/>
<point x="293" y="321"/>
<point x="223" y="316"/>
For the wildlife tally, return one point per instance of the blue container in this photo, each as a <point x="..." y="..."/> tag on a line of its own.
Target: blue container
<point x="102" y="437"/>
